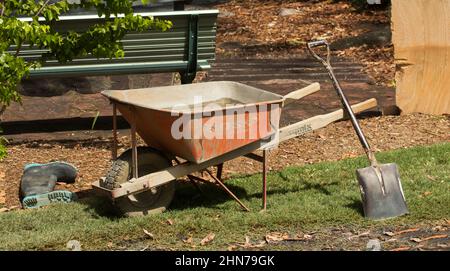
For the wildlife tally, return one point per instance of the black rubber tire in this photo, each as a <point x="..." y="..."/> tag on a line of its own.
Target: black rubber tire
<point x="149" y="202"/>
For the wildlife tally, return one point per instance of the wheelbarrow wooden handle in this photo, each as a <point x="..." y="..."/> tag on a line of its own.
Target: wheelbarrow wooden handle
<point x="317" y="122"/>
<point x="300" y="93"/>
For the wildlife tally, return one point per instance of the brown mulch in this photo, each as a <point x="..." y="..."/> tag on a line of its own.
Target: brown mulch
<point x="338" y="141"/>
<point x="258" y="26"/>
<point x="334" y="142"/>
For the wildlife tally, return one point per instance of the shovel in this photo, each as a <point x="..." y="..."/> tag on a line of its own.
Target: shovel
<point x="381" y="189"/>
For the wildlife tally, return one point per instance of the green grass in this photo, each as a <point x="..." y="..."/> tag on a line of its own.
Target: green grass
<point x="300" y="199"/>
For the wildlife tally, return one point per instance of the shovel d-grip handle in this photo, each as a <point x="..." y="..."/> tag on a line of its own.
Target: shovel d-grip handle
<point x="344" y="101"/>
<point x="320" y="43"/>
<point x="316" y="43"/>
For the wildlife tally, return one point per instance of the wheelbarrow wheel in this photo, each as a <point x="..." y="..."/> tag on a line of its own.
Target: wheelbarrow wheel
<point x="152" y="201"/>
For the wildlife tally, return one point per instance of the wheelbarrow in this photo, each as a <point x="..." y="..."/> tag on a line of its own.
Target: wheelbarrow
<point x="190" y="128"/>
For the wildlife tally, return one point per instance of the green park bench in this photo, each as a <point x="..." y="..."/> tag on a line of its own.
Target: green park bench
<point x="186" y="48"/>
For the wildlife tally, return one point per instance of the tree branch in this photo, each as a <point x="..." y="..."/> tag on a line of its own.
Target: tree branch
<point x="18" y="49"/>
<point x="3" y="8"/>
<point x="42" y="8"/>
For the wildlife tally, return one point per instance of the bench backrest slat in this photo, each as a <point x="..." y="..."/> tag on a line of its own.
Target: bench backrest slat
<point x="150" y="48"/>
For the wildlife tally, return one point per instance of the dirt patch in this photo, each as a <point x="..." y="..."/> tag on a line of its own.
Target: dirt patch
<point x="334" y="142"/>
<point x="435" y="236"/>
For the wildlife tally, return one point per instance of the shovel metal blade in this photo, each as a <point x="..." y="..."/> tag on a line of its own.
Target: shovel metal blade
<point x="379" y="204"/>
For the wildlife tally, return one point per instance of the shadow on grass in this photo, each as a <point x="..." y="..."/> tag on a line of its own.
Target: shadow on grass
<point x="206" y="195"/>
<point x="188" y="196"/>
<point x="306" y="186"/>
<point x="319" y="187"/>
<point x="356" y="205"/>
<point x="101" y="205"/>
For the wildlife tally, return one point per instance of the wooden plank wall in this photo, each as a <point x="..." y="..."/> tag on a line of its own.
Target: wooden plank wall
<point x="421" y="38"/>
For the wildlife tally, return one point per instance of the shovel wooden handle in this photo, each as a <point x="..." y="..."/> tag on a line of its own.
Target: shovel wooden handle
<point x="317" y="122"/>
<point x="300" y="93"/>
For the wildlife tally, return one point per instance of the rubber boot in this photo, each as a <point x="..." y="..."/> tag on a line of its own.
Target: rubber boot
<point x="63" y="171"/>
<point x="39" y="180"/>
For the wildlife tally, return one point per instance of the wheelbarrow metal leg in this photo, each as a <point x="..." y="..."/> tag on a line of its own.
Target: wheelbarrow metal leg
<point x="114" y="143"/>
<point x="264" y="177"/>
<point x="227" y="190"/>
<point x="134" y="147"/>
<point x="219" y="171"/>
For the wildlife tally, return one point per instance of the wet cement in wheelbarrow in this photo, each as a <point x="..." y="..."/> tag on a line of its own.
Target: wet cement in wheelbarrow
<point x="222" y="103"/>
